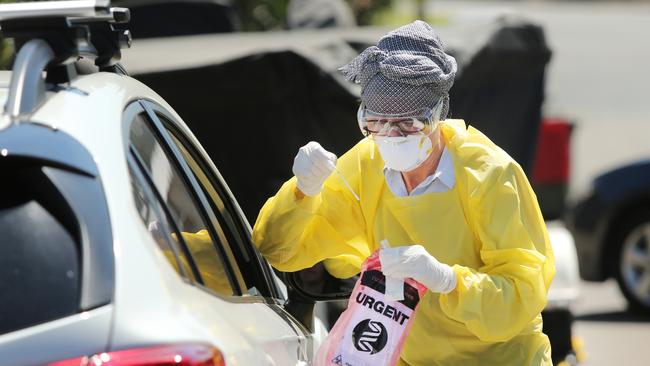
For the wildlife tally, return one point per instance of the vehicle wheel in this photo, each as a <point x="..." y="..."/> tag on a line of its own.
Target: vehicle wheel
<point x="633" y="261"/>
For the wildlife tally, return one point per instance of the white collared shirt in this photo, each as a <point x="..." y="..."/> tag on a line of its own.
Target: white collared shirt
<point x="442" y="180"/>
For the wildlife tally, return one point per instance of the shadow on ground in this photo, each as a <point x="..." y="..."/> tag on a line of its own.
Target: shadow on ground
<point x="615" y="316"/>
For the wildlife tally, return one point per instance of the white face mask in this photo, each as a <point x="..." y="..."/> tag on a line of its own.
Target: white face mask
<point x="404" y="153"/>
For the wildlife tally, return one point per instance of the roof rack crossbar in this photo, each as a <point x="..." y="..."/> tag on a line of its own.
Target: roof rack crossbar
<point x="52" y="40"/>
<point x="27" y="87"/>
<point x="52" y="8"/>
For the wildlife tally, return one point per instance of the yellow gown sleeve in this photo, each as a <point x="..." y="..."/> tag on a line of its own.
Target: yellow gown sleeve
<point x="294" y="231"/>
<point x="208" y="262"/>
<point x="210" y="265"/>
<point x="498" y="300"/>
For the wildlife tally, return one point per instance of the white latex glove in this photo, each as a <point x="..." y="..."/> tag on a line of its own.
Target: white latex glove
<point x="312" y="165"/>
<point x="415" y="262"/>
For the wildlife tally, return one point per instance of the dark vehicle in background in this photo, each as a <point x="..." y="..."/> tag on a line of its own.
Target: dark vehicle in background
<point x="611" y="227"/>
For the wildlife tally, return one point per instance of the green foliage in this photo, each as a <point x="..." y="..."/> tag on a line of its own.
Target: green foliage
<point x="258" y="15"/>
<point x="396" y="19"/>
<point x="366" y="11"/>
<point x="6" y="53"/>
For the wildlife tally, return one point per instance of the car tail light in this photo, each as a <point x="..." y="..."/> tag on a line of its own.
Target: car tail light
<point x="176" y="355"/>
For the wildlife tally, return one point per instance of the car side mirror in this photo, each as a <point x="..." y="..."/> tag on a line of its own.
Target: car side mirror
<point x="317" y="284"/>
<point x="309" y="285"/>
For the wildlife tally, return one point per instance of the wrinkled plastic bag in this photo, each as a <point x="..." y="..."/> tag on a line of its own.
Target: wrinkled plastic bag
<point x="372" y="330"/>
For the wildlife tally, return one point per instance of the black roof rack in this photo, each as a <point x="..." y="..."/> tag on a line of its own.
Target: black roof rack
<point x="51" y="36"/>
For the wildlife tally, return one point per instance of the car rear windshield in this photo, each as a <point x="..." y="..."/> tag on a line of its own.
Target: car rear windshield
<point x="56" y="254"/>
<point x="39" y="255"/>
<point x="44" y="209"/>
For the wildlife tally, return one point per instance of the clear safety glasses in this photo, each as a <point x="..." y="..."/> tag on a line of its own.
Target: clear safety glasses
<point x="422" y="121"/>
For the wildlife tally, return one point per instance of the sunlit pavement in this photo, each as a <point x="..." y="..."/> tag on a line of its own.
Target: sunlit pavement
<point x="611" y="334"/>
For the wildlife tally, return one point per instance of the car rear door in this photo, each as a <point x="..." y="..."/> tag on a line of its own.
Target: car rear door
<point x="266" y="324"/>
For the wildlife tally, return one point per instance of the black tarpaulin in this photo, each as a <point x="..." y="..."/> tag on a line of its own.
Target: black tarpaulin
<point x="501" y="89"/>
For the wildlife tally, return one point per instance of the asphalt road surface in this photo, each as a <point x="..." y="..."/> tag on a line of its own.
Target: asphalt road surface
<point x="611" y="335"/>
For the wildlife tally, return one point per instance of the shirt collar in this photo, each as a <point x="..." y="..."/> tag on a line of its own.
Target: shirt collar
<point x="444" y="172"/>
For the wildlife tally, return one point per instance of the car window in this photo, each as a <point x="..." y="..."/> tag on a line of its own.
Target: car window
<point x="224" y="234"/>
<point x="40" y="254"/>
<point x="183" y="208"/>
<point x="159" y="227"/>
<point x="228" y="228"/>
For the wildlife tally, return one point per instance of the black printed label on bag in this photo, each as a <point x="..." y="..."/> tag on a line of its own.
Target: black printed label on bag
<point x="377" y="281"/>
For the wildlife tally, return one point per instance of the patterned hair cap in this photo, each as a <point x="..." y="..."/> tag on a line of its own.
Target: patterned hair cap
<point x="407" y="70"/>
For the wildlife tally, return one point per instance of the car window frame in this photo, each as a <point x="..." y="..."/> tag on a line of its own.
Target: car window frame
<point x="271" y="293"/>
<point x="221" y="225"/>
<point x="136" y="108"/>
<point x="198" y="279"/>
<point x="227" y="222"/>
<point x="141" y="176"/>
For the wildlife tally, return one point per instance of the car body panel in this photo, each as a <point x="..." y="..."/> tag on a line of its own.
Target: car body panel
<point x="589" y="223"/>
<point x="566" y="283"/>
<point x="81" y="334"/>
<point x="614" y="197"/>
<point x="615" y="185"/>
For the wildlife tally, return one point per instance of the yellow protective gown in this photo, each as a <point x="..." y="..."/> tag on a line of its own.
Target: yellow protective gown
<point x="488" y="227"/>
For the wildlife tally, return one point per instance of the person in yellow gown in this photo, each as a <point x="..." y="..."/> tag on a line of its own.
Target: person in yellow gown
<point x="457" y="212"/>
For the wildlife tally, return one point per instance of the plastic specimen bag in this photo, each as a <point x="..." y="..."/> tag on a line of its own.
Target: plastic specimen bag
<point x="373" y="328"/>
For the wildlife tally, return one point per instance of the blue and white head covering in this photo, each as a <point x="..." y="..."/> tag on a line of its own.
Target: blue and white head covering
<point x="408" y="70"/>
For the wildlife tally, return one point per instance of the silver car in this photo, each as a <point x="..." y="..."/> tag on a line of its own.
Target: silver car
<point x="121" y="243"/>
